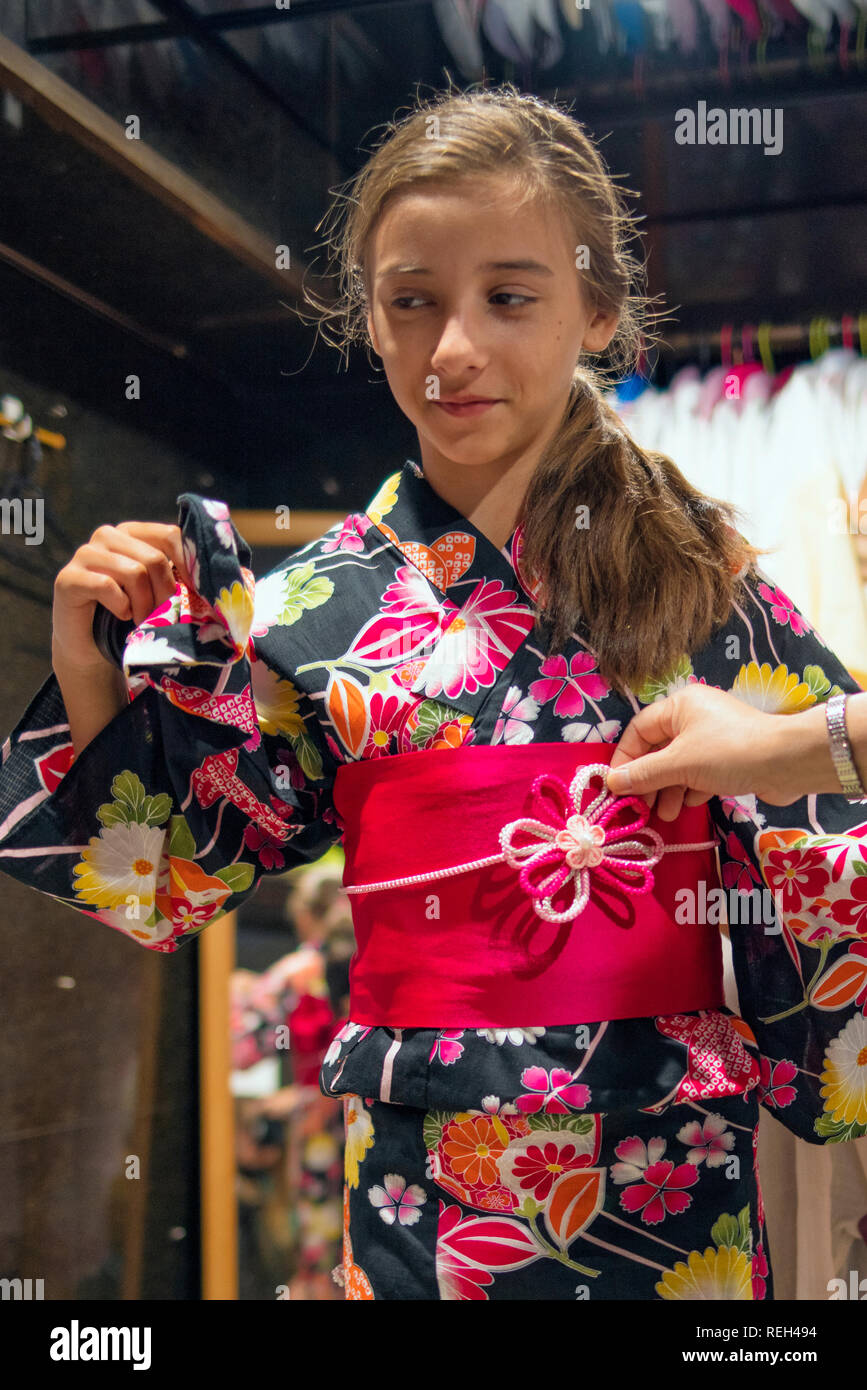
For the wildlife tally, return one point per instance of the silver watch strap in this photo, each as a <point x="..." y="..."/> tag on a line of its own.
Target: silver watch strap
<point x="841" y="751"/>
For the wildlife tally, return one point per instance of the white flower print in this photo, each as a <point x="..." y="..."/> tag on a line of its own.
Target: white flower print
<point x="608" y="731"/>
<point x="638" y="1156"/>
<point x="710" y="1140"/>
<point x="512" y="1035"/>
<point x="396" y="1201"/>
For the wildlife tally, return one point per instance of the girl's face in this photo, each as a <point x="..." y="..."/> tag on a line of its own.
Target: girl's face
<point x="469" y="296"/>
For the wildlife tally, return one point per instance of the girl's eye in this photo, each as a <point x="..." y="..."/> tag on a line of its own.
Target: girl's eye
<point x="507" y="294"/>
<point x="406" y="299"/>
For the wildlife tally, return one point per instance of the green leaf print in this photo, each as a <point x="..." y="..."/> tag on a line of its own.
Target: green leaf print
<point x="529" y="1209"/>
<point x="576" y="1124"/>
<point x="432" y="1128"/>
<point x="157" y="808"/>
<point x="730" y="1230"/>
<point x="181" y="842"/>
<point x="237" y="876"/>
<point x="308" y="756"/>
<point x="132" y="805"/>
<point x="746" y="1238"/>
<point x="725" y="1231"/>
<point x="838" y="1131"/>
<point x="129" y="794"/>
<point x="817" y="682"/>
<point x="431" y="715"/>
<point x="303" y="589"/>
<point x="678" y="675"/>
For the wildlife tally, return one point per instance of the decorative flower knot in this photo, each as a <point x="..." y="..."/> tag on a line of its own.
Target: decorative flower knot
<point x="571" y="840"/>
<point x="582" y="842"/>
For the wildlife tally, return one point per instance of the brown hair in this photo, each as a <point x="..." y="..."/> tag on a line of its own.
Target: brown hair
<point x="661" y="563"/>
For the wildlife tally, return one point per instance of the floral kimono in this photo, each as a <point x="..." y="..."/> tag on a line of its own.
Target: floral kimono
<point x="599" y="1160"/>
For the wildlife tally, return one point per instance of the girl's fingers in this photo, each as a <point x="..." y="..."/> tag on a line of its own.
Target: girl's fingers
<point x="142" y="558"/>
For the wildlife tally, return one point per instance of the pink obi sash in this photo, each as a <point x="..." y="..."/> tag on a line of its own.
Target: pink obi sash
<point x="535" y="897"/>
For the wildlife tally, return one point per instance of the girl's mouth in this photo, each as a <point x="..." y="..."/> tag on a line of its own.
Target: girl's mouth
<point x="471" y="408"/>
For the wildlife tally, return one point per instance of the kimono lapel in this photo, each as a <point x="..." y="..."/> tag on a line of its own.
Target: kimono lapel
<point x="444" y="545"/>
<point x="483" y="613"/>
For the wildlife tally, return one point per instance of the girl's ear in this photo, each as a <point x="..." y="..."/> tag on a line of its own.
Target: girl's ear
<point x="600" y="331"/>
<point x="372" y="333"/>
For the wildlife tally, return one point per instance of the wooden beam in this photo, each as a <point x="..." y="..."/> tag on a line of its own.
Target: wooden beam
<point x="260" y="527"/>
<point x="219" y="1200"/>
<point x="66" y="110"/>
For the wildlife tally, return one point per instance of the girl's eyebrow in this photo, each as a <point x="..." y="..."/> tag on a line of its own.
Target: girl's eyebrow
<point x="531" y="265"/>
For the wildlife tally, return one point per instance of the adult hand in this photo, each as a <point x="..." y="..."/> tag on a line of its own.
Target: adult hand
<point x="698" y="743"/>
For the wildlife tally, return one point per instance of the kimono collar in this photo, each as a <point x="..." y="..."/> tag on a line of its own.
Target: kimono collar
<point x="444" y="545"/>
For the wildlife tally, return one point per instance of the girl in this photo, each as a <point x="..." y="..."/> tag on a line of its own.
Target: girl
<point x="545" y="1094"/>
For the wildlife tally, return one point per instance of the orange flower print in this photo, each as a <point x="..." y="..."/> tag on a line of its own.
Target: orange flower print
<point x="473" y="1146"/>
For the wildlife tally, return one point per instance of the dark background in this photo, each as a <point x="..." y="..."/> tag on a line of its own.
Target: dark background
<point x="258" y="413"/>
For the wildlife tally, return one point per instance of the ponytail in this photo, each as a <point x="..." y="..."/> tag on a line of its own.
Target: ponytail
<point x="618" y="542"/>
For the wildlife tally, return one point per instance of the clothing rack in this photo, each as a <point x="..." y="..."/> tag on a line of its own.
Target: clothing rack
<point x="755" y="342"/>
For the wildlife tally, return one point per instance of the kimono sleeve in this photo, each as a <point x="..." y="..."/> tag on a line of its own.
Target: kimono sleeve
<point x="800" y="962"/>
<point x="170" y="816"/>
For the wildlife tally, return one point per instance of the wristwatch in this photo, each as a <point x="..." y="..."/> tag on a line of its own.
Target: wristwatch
<point x="841" y="751"/>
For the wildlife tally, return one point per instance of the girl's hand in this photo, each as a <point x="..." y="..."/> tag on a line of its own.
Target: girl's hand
<point x="702" y="742"/>
<point x="130" y="569"/>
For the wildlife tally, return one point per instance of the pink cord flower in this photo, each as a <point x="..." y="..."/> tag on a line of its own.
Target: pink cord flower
<point x="572" y="840"/>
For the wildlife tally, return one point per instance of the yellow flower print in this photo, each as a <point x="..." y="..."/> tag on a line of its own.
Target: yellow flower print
<point x="777" y="691"/>
<point x="359" y="1137"/>
<point x="725" y="1273"/>
<point x="236" y="606"/>
<point x="385" y="499"/>
<point x="276" y="702"/>
<point x="121" y="860"/>
<point x="845" y="1073"/>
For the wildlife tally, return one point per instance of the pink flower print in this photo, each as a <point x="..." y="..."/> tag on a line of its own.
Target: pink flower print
<point x="515" y="727"/>
<point x="447" y="1049"/>
<point x="457" y="1280"/>
<point x="774" y="1089"/>
<point x="661" y="1194"/>
<point x="386" y="712"/>
<point x="349" y="537"/>
<point x="397" y="1202"/>
<point x="852" y="911"/>
<point x="411" y="617"/>
<point x="783" y="610"/>
<point x="471" y="1248"/>
<point x="478" y="643"/>
<point x="571" y="686"/>
<point x="540" y="1165"/>
<point x="265" y="846"/>
<point x="796" y="876"/>
<point x="188" y="917"/>
<point x="636" y="1158"/>
<point x="555" y="1096"/>
<point x="219" y="513"/>
<point x="742" y="808"/>
<point x="742" y="874"/>
<point x="759" y="1273"/>
<point x="859" y="948"/>
<point x="710" y="1140"/>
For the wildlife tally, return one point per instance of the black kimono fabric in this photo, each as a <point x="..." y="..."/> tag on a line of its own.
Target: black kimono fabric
<point x="607" y="1161"/>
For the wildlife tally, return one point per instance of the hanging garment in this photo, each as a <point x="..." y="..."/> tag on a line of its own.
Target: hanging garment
<point x="792" y="460"/>
<point x="481" y="1162"/>
<point x="514" y="27"/>
<point x="459" y="22"/>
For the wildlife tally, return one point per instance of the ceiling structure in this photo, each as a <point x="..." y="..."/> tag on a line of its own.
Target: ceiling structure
<point x="160" y="252"/>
